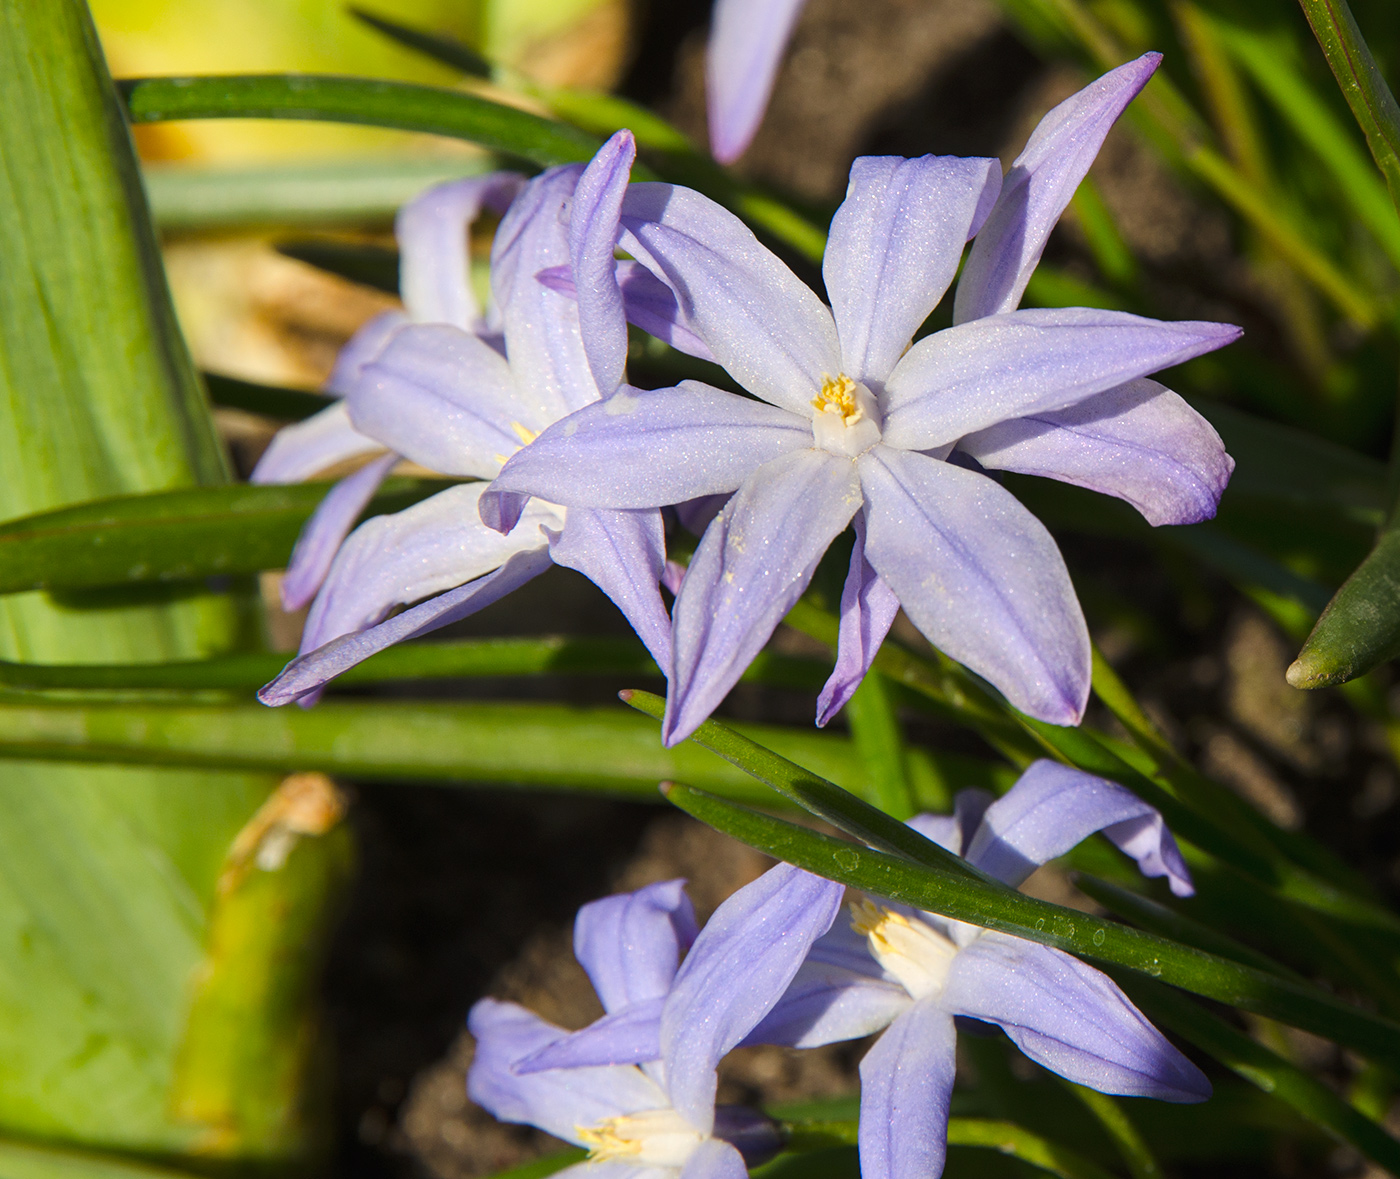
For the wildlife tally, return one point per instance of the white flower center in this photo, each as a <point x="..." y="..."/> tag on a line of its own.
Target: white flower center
<point x="654" y="1137"/>
<point x="847" y="420"/>
<point x="913" y="951"/>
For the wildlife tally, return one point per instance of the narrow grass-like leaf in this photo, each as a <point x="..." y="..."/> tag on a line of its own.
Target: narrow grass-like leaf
<point x="876" y="731"/>
<point x="941" y="891"/>
<point x="29" y="1161"/>
<point x="542" y="1167"/>
<point x="447" y="50"/>
<point x="287" y="405"/>
<point x="1132" y="1147"/>
<point x="374" y="266"/>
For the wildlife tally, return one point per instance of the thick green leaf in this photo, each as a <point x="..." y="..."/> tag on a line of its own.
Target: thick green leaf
<point x="940" y="890"/>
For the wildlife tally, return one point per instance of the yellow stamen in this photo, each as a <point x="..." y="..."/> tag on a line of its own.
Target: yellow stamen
<point x="604" y="1141"/>
<point x="913" y="951"/>
<point x="524" y="433"/>
<point x="838" y="396"/>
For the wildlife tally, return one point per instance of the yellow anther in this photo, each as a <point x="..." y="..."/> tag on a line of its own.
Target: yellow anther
<point x="918" y="955"/>
<point x="604" y="1141"/>
<point x="654" y="1137"/>
<point x="838" y="396"/>
<point x="524" y="433"/>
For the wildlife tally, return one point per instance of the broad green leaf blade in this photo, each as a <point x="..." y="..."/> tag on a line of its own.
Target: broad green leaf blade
<point x="1107" y="942"/>
<point x="171" y="535"/>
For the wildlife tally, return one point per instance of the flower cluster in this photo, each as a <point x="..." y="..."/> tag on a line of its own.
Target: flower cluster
<point x="778" y="964"/>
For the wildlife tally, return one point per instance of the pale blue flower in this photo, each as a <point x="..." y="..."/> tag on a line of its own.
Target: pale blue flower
<point x="747" y="39"/>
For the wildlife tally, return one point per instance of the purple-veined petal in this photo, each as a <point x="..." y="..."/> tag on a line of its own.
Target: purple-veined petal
<point x="1054" y="807"/>
<point x="738" y="968"/>
<point x="826" y="1003"/>
<point x="1068" y="1017"/>
<point x="969" y="377"/>
<point x="631" y="944"/>
<point x="1140" y="442"/>
<point x="955" y="831"/>
<point x="433" y="232"/>
<point x="304" y="449"/>
<point x="330" y="523"/>
<point x="646" y="301"/>
<point x="647" y="448"/>
<point x="1039" y="185"/>
<point x="672" y="575"/>
<point x="754" y="562"/>
<point x="714" y="1159"/>
<point x="894" y="247"/>
<point x="906" y="1082"/>
<point x="593" y="230"/>
<point x="754" y="1134"/>
<point x="541" y="326"/>
<point x="444" y="398"/>
<point x="760" y="321"/>
<point x="558" y="1101"/>
<point x="697" y="514"/>
<point x="868" y="607"/>
<point x="980" y="576"/>
<point x="629" y="1035"/>
<point x="623" y="553"/>
<point x="361" y="348"/>
<point x="747" y="39"/>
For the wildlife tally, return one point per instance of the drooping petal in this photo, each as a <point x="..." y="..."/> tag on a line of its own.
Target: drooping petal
<point x="558" y="1101"/>
<point x="1053" y="807"/>
<point x="1039" y="186"/>
<point x="304" y="449"/>
<point x="646" y="301"/>
<point x="894" y="247"/>
<point x="623" y="553"/>
<point x="906" y="1082"/>
<point x="361" y="348"/>
<point x="980" y="576"/>
<point x="631" y="944"/>
<point x="1008" y="366"/>
<point x="647" y="448"/>
<point x="330" y="523"/>
<point x="593" y="230"/>
<point x="629" y="1035"/>
<point x="738" y="968"/>
<point x="760" y="321"/>
<point x="1070" y="1018"/>
<point x="868" y="609"/>
<point x="433" y="234"/>
<point x="754" y="562"/>
<point x="1140" y="442"/>
<point x="714" y="1159"/>
<point x="747" y="39"/>
<point x="444" y="398"/>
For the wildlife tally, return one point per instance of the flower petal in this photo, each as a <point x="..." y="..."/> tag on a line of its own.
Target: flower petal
<point x="1039" y="186"/>
<point x="361" y="348"/>
<point x="1025" y="362"/>
<point x="433" y="232"/>
<point x="1070" y="1018"/>
<point x="714" y="1159"/>
<point x="747" y="39"/>
<point x="623" y="553"/>
<point x="955" y="831"/>
<point x="906" y="1082"/>
<point x="631" y="944"/>
<point x="980" y="576"/>
<point x="826" y="1003"/>
<point x="868" y="608"/>
<point x="1140" y="442"/>
<point x="894" y="247"/>
<point x="760" y="321"/>
<point x="629" y="1035"/>
<point x="558" y="1101"/>
<point x="593" y="230"/>
<point x="738" y="968"/>
<point x="647" y="302"/>
<point x="648" y="448"/>
<point x="754" y="562"/>
<point x="330" y="523"/>
<point x="304" y="449"/>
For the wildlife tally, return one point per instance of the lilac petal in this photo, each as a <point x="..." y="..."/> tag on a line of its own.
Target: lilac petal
<point x="760" y="321"/>
<point x="672" y="576"/>
<point x="747" y="39"/>
<point x="433" y="232"/>
<point x="1068" y="1017"/>
<point x="969" y="377"/>
<point x="868" y="607"/>
<point x="444" y="398"/>
<point x="593" y="230"/>
<point x="1140" y="442"/>
<point x="646" y="448"/>
<point x="629" y="1035"/>
<point x="754" y="562"/>
<point x="829" y="1002"/>
<point x="697" y="514"/>
<point x="304" y="449"/>
<point x="906" y="1082"/>
<point x="1039" y="186"/>
<point x="955" y="831"/>
<point x="541" y="326"/>
<point x="630" y="944"/>
<point x="558" y="1101"/>
<point x="361" y="348"/>
<point x="714" y="1159"/>
<point x="894" y="247"/>
<point x="981" y="577"/>
<point x="1054" y="807"/>
<point x="646" y="301"/>
<point x="738" y="968"/>
<point x="623" y="553"/>
<point x="330" y="523"/>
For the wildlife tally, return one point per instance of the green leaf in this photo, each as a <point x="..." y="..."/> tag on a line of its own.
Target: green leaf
<point x="1132" y="1147"/>
<point x="288" y="405"/>
<point x="374" y="266"/>
<point x="25" y="1161"/>
<point x="877" y="733"/>
<point x="939" y="890"/>
<point x="171" y="535"/>
<point x="447" y="50"/>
